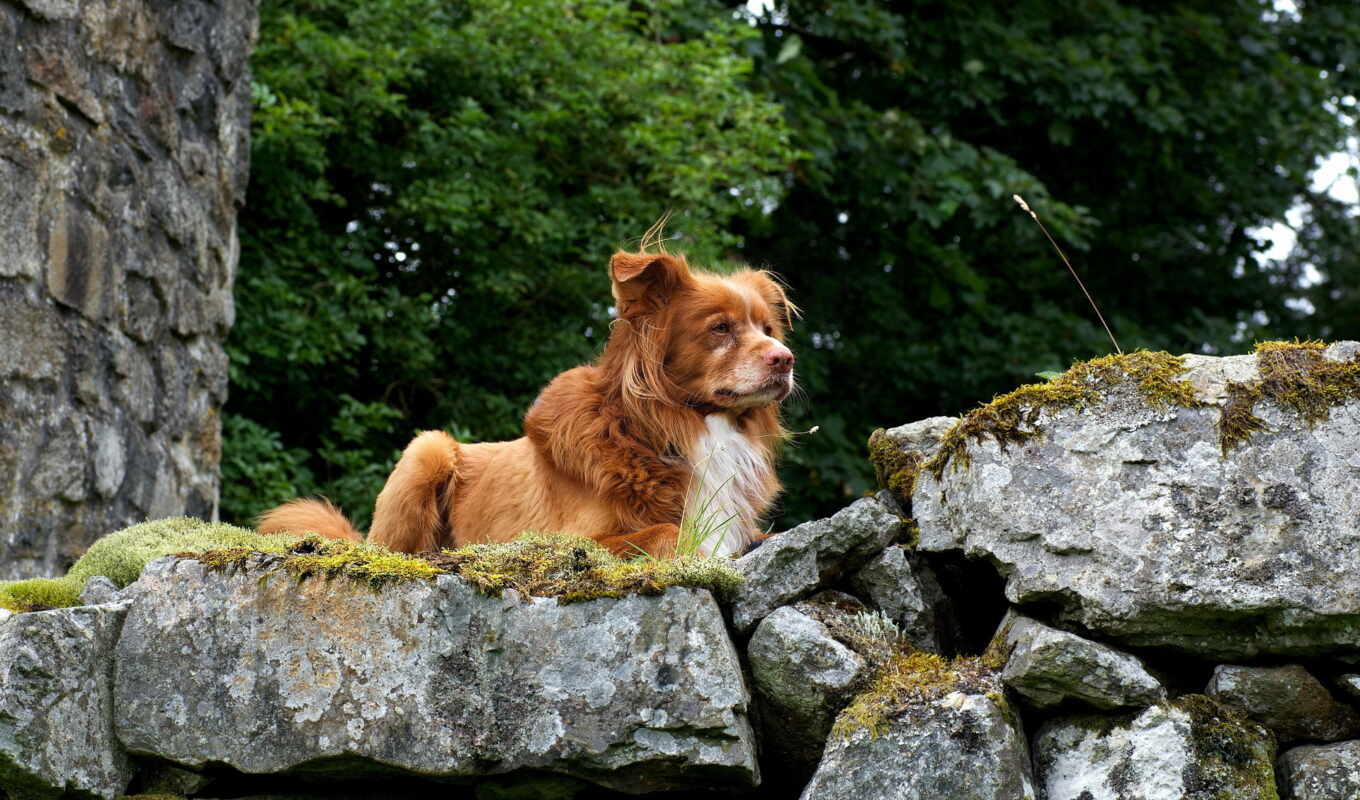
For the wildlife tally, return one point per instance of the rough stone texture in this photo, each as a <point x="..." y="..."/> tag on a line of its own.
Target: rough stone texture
<point x="962" y="746"/>
<point x="1350" y="684"/>
<point x="1132" y="521"/>
<point x="921" y="436"/>
<point x="803" y="677"/>
<point x="1288" y="700"/>
<point x="1048" y="667"/>
<point x="123" y="159"/>
<point x="900" y="584"/>
<point x="56" y="712"/>
<point x="1182" y="750"/>
<point x="1320" y="772"/>
<point x="99" y="589"/>
<point x="800" y="561"/>
<point x="430" y="678"/>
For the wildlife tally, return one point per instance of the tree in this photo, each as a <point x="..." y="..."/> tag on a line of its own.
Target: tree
<point x="436" y="190"/>
<point x="1154" y="139"/>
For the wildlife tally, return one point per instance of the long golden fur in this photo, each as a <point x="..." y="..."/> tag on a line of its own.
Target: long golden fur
<point x="681" y="411"/>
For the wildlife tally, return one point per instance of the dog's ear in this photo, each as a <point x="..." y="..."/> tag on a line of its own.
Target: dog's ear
<point x="777" y="295"/>
<point x="644" y="281"/>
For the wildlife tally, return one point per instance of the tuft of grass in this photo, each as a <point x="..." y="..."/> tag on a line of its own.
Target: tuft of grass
<point x="1012" y="418"/>
<point x="121" y="556"/>
<point x="572" y="568"/>
<point x="1294" y="376"/>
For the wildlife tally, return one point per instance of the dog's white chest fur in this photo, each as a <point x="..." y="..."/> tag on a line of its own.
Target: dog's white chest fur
<point x="729" y="472"/>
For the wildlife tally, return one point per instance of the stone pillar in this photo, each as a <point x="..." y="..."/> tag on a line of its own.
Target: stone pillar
<point x="124" y="150"/>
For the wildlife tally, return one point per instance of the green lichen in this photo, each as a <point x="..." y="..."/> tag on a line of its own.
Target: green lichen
<point x="121" y="556"/>
<point x="1294" y="376"/>
<point x="1234" y="756"/>
<point x="313" y="556"/>
<point x="895" y="468"/>
<point x="1011" y="418"/>
<point x="572" y="568"/>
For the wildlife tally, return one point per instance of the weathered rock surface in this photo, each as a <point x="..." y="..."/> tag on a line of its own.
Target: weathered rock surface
<point x="1132" y="519"/>
<point x="1187" y="749"/>
<point x="803" y="677"/>
<point x="1048" y="667"/>
<point x="901" y="585"/>
<point x="429" y="678"/>
<point x="1288" y="700"/>
<point x="56" y="711"/>
<point x="123" y="158"/>
<point x="962" y="746"/>
<point x="1320" y="772"/>
<point x="800" y="561"/>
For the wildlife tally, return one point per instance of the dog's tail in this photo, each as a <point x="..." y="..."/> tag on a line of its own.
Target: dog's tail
<point x="315" y="516"/>
<point x="414" y="510"/>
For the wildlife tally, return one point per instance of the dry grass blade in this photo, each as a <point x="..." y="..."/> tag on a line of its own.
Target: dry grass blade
<point x="1070" y="269"/>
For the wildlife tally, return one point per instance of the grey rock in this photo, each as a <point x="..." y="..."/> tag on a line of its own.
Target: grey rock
<point x="98" y="590"/>
<point x="1186" y="749"/>
<point x="922" y="436"/>
<point x="56" y="713"/>
<point x="1049" y="667"/>
<point x="429" y="678"/>
<point x="1350" y="684"/>
<point x="1132" y="520"/>
<point x="6" y="615"/>
<point x="966" y="745"/>
<point x="1320" y="772"/>
<point x="125" y="133"/>
<point x="1288" y="700"/>
<point x="794" y="564"/>
<point x="803" y="678"/>
<point x="901" y="585"/>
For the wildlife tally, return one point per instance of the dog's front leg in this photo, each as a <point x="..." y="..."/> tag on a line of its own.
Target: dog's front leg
<point x="657" y="541"/>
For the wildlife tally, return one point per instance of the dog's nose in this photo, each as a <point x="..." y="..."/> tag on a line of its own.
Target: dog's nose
<point x="779" y="358"/>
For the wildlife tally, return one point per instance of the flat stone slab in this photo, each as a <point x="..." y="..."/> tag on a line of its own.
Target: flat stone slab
<point x="266" y="674"/>
<point x="56" y="710"/>
<point x="1132" y="521"/>
<point x="1049" y="667"/>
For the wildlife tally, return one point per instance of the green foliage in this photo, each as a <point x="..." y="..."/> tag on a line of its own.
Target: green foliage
<point x="436" y="188"/>
<point x="122" y="556"/>
<point x="436" y="191"/>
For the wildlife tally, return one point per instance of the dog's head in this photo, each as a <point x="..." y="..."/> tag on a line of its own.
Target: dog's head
<point x="700" y="338"/>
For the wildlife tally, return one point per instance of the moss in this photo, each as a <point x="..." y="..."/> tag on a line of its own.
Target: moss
<point x="895" y="468"/>
<point x="572" y="568"/>
<point x="1011" y="418"/>
<point x="121" y="556"/>
<point x="1234" y="756"/>
<point x="569" y="568"/>
<point x="1294" y="376"/>
<point x="912" y="678"/>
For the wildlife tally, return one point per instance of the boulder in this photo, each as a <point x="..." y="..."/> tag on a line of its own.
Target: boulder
<point x="1185" y="749"/>
<point x="899" y="583"/>
<point x="803" y="677"/>
<point x="897" y="453"/>
<point x="958" y="739"/>
<point x="1049" y="667"/>
<point x="56" y="712"/>
<point x="430" y="678"/>
<point x="1196" y="503"/>
<point x="1320" y="772"/>
<point x="1288" y="700"/>
<point x="798" y="562"/>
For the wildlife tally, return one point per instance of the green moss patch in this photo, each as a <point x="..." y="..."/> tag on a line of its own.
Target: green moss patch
<point x="569" y="568"/>
<point x="121" y="556"/>
<point x="895" y="468"/>
<point x="910" y="679"/>
<point x="1294" y="376"/>
<point x="1232" y="753"/>
<point x="1011" y="418"/>
<point x="573" y="568"/>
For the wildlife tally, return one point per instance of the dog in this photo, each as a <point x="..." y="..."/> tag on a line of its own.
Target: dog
<point x="677" y="419"/>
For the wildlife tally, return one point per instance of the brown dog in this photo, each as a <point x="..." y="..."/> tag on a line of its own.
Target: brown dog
<point x="679" y="416"/>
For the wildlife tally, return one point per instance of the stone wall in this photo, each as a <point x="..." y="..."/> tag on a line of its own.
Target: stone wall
<point x="123" y="159"/>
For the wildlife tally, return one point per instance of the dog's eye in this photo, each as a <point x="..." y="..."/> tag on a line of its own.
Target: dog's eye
<point x="722" y="327"/>
<point x="769" y="330"/>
